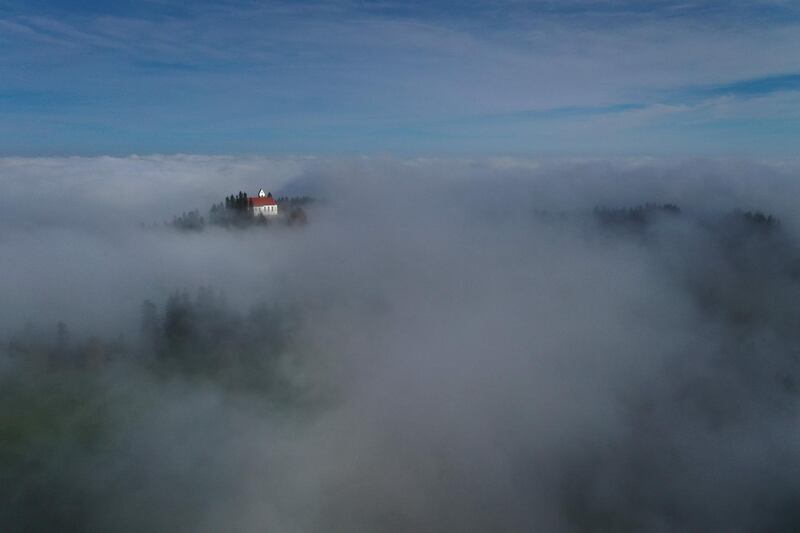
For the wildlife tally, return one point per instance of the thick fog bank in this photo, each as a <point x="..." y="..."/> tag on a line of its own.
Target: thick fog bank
<point x="446" y="345"/>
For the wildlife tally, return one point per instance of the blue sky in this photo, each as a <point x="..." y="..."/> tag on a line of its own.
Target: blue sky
<point x="342" y="77"/>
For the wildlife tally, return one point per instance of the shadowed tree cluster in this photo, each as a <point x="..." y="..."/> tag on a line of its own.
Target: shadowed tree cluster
<point x="757" y="219"/>
<point x="294" y="201"/>
<point x="235" y="211"/>
<point x="202" y="335"/>
<point x="191" y="221"/>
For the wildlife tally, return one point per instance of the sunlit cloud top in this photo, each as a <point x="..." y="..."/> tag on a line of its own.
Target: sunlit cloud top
<point x="524" y="76"/>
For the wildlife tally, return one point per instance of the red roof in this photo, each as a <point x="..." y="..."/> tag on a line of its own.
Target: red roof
<point x="258" y="201"/>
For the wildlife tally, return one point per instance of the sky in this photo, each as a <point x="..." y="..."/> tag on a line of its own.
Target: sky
<point x="532" y="77"/>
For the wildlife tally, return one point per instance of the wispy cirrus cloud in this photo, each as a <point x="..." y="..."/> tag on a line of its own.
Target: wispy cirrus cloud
<point x="335" y="73"/>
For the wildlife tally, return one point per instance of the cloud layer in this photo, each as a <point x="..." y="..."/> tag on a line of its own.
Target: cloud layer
<point x="475" y="351"/>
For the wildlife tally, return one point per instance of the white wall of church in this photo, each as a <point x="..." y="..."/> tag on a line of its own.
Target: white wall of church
<point x="266" y="210"/>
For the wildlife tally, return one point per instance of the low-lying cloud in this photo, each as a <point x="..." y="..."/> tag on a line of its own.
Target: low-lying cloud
<point x="451" y="345"/>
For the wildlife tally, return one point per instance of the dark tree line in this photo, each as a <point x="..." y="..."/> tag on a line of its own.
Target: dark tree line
<point x="757" y="219"/>
<point x="191" y="221"/>
<point x="202" y="335"/>
<point x="643" y="215"/>
<point x="749" y="260"/>
<point x="234" y="211"/>
<point x="191" y="334"/>
<point x="294" y="201"/>
<point x="634" y="216"/>
<point x="237" y="202"/>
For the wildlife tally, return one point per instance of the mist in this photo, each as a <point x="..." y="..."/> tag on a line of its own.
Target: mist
<point x="487" y="344"/>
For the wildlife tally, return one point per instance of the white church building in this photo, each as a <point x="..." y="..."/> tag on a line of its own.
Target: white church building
<point x="264" y="204"/>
